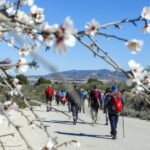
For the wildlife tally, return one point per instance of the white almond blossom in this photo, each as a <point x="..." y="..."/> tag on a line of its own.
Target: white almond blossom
<point x="48" y="39"/>
<point x="10" y="105"/>
<point x="92" y="27"/>
<point x="146" y="13"/>
<point x="146" y="28"/>
<point x="49" y="28"/>
<point x="66" y="36"/>
<point x="140" y="76"/>
<point x="16" y="81"/>
<point x="35" y="47"/>
<point x="25" y="50"/>
<point x="28" y="2"/>
<point x="134" y="45"/>
<point x="49" y="145"/>
<point x="9" y="6"/>
<point x="68" y="26"/>
<point x="76" y="143"/>
<point x="23" y="17"/>
<point x="32" y="125"/>
<point x="60" y="48"/>
<point x="11" y="41"/>
<point x="21" y="68"/>
<point x="37" y="13"/>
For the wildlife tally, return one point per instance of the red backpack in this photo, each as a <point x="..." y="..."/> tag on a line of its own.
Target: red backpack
<point x="117" y="103"/>
<point x="49" y="93"/>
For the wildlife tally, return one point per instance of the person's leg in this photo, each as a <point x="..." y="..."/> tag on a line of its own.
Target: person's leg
<point x="92" y="113"/>
<point x="83" y="106"/>
<point x="96" y="114"/>
<point x="50" y="104"/>
<point x="106" y="117"/>
<point x="77" y="112"/>
<point x="73" y="108"/>
<point x="112" y="124"/>
<point x="116" y="122"/>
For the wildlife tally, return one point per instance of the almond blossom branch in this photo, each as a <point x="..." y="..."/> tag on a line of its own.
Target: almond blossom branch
<point x="95" y="53"/>
<point x="110" y="58"/>
<point x="2" y="145"/>
<point x="17" y="128"/>
<point x="77" y="143"/>
<point x="10" y="134"/>
<point x="124" y="21"/>
<point x="116" y="23"/>
<point x="28" y="120"/>
<point x="112" y="36"/>
<point x="18" y="6"/>
<point x="31" y="109"/>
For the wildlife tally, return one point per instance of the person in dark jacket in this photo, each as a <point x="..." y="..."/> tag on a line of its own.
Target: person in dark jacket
<point x="113" y="116"/>
<point x="106" y="94"/>
<point x="74" y="97"/>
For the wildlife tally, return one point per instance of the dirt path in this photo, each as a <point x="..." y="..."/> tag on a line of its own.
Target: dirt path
<point x="137" y="132"/>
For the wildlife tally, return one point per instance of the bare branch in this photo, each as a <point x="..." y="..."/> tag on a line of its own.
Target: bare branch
<point x="112" y="36"/>
<point x="17" y="128"/>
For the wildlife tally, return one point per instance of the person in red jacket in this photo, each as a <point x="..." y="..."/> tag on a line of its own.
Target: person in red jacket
<point x="49" y="94"/>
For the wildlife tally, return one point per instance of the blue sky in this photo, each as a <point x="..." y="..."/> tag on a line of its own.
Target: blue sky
<point x="81" y="12"/>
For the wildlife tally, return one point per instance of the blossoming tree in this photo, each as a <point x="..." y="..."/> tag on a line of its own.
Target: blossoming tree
<point x="31" y="31"/>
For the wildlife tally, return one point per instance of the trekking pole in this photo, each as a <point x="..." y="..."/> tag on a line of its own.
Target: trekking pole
<point x="123" y="124"/>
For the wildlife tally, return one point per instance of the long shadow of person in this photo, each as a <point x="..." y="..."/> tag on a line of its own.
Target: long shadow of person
<point x="86" y="135"/>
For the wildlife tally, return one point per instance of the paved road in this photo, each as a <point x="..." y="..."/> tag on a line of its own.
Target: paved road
<point x="137" y="132"/>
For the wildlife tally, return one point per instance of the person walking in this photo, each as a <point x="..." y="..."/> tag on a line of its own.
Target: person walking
<point x="74" y="97"/>
<point x="49" y="93"/>
<point x="106" y="94"/>
<point x="68" y="100"/>
<point x="95" y="102"/>
<point x="83" y="97"/>
<point x="114" y="104"/>
<point x="58" y="97"/>
<point x="63" y="98"/>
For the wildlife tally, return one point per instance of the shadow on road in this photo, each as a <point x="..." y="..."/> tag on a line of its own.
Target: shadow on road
<point x="64" y="122"/>
<point x="86" y="135"/>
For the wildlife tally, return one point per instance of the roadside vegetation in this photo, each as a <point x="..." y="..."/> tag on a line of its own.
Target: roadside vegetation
<point x="136" y="104"/>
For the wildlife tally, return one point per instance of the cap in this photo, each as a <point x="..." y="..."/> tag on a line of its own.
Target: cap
<point x="114" y="87"/>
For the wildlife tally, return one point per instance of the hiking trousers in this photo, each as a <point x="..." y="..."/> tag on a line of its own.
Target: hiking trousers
<point x="48" y="104"/>
<point x="74" y="110"/>
<point x="113" y="118"/>
<point x="94" y="114"/>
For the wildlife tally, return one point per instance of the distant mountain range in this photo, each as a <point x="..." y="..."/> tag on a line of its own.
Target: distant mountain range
<point x="82" y="75"/>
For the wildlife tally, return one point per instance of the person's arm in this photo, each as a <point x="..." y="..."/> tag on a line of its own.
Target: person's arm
<point x="122" y="99"/>
<point x="103" y="101"/>
<point x="89" y="100"/>
<point x="100" y="98"/>
<point x="107" y="100"/>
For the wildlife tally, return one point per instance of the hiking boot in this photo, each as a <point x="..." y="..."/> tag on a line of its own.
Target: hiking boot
<point x="114" y="137"/>
<point x="74" y="121"/>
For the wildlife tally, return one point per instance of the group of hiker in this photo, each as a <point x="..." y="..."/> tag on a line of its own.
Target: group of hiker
<point x="111" y="102"/>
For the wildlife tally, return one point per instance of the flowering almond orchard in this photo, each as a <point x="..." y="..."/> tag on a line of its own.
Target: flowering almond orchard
<point x="28" y="28"/>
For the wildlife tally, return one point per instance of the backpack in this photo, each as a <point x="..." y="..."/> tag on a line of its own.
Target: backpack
<point x="49" y="94"/>
<point x="96" y="94"/>
<point x="95" y="101"/>
<point x="117" y="103"/>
